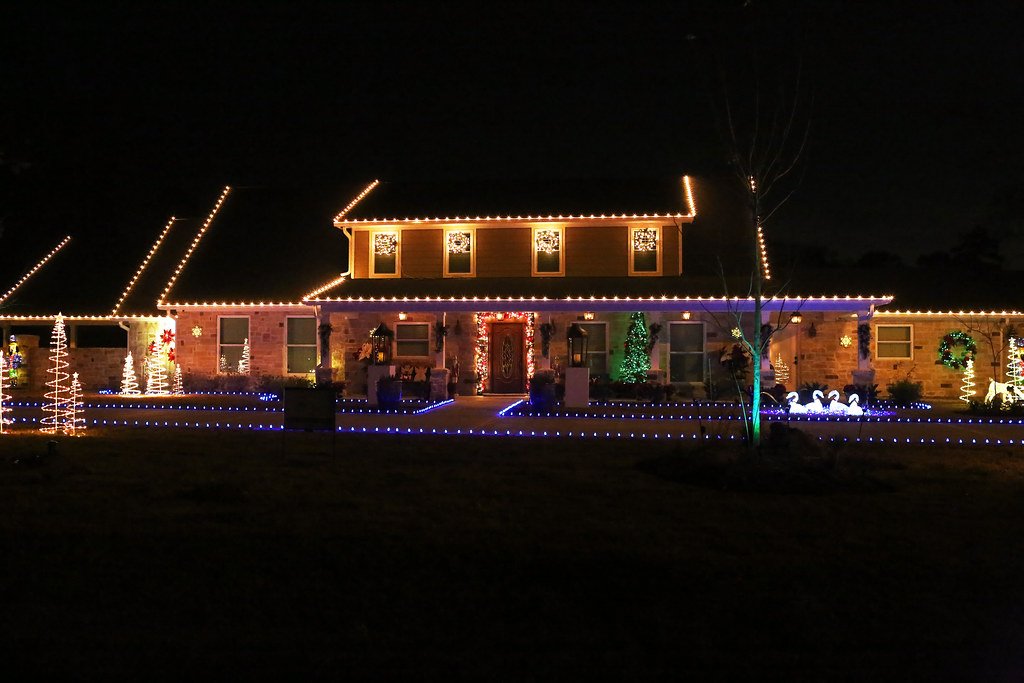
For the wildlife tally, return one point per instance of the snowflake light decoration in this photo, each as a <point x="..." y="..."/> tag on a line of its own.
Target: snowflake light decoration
<point x="459" y="242"/>
<point x="645" y="239"/>
<point x="846" y="341"/>
<point x="385" y="244"/>
<point x="197" y="331"/>
<point x="737" y="333"/>
<point x="548" y="241"/>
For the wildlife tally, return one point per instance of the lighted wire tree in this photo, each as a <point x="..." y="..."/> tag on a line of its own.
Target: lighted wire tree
<point x="73" y="420"/>
<point x="178" y="386"/>
<point x="129" y="383"/>
<point x="637" y="360"/>
<point x="967" y="390"/>
<point x="156" y="379"/>
<point x="781" y="370"/>
<point x="243" y="363"/>
<point x="57" y="396"/>
<point x="5" y="398"/>
<point x="1013" y="370"/>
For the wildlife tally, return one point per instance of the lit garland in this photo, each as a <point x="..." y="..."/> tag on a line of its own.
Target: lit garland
<point x="781" y="370"/>
<point x="37" y="266"/>
<point x="459" y="242"/>
<point x="385" y="244"/>
<point x="5" y="398"/>
<point x="142" y="266"/>
<point x="483" y="339"/>
<point x="645" y="239"/>
<point x="548" y="241"/>
<point x="956" y="338"/>
<point x="59" y="389"/>
<point x="967" y="388"/>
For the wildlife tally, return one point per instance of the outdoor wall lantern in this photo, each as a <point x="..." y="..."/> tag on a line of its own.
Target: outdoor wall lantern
<point x="795" y="318"/>
<point x="589" y="315"/>
<point x="686" y="315"/>
<point x="380" y="344"/>
<point x="402" y="315"/>
<point x="577" y="338"/>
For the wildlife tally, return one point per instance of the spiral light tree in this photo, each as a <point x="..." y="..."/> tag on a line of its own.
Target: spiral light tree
<point x="129" y="384"/>
<point x="178" y="387"/>
<point x="5" y="398"/>
<point x="57" y="396"/>
<point x="156" y="378"/>
<point x="967" y="387"/>
<point x="73" y="420"/>
<point x="243" y="364"/>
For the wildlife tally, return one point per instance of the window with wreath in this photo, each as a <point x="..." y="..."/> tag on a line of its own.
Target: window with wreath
<point x="384" y="253"/>
<point x="301" y="344"/>
<point x="645" y="246"/>
<point x="233" y="333"/>
<point x="412" y="339"/>
<point x="894" y="342"/>
<point x="547" y="251"/>
<point x="459" y="252"/>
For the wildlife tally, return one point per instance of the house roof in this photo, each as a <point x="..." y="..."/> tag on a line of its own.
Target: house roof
<point x="265" y="244"/>
<point x="430" y="200"/>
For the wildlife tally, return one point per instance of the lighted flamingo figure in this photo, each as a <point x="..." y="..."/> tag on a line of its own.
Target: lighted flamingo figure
<point x="794" y="407"/>
<point x="837" y="406"/>
<point x="815" y="405"/>
<point x="854" y="408"/>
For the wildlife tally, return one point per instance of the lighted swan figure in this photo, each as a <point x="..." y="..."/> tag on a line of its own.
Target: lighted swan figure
<point x="836" y="406"/>
<point x="854" y="408"/>
<point x="815" y="405"/>
<point x="794" y="407"/>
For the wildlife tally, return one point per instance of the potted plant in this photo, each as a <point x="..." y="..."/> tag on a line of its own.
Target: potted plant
<point x="542" y="390"/>
<point x="389" y="391"/>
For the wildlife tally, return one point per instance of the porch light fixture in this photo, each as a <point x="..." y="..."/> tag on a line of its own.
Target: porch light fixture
<point x="796" y="318"/>
<point x="589" y="315"/>
<point x="402" y="315"/>
<point x="686" y="315"/>
<point x="380" y="345"/>
<point x="576" y="337"/>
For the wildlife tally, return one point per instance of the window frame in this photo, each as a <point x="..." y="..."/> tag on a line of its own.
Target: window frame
<point x="702" y="353"/>
<point x="472" y="251"/>
<point x="604" y="323"/>
<point x="395" y="340"/>
<point x="560" y="229"/>
<point x="288" y="345"/>
<point x="248" y="335"/>
<point x="909" y="342"/>
<point x="660" y="251"/>
<point x="372" y="269"/>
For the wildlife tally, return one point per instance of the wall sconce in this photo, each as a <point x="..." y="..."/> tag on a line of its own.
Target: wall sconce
<point x="402" y="315"/>
<point x="795" y="318"/>
<point x="686" y="315"/>
<point x="589" y="315"/>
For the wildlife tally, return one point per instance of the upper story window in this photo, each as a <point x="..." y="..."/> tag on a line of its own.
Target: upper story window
<point x="894" y="342"/>
<point x="547" y="251"/>
<point x="385" y="253"/>
<point x="645" y="251"/>
<point x="460" y="252"/>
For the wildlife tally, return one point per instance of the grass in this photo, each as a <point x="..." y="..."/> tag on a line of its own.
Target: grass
<point x="238" y="554"/>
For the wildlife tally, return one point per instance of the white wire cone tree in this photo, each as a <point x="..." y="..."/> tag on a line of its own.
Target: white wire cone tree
<point x="129" y="383"/>
<point x="156" y="377"/>
<point x="5" y="398"/>
<point x="243" y="363"/>
<point x="59" y="382"/>
<point x="178" y="386"/>
<point x="74" y="422"/>
<point x="967" y="390"/>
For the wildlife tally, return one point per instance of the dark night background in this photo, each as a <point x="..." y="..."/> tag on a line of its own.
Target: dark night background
<point x="114" y="117"/>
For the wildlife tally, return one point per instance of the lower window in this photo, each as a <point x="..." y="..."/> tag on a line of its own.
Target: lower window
<point x="894" y="341"/>
<point x="597" y="347"/>
<point x="686" y="352"/>
<point x="412" y="339"/>
<point x="301" y="344"/>
<point x="233" y="335"/>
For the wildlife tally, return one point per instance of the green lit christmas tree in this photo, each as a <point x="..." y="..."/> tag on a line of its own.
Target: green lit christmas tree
<point x="636" y="361"/>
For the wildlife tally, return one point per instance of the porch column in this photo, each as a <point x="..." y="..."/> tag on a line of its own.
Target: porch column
<point x="865" y="372"/>
<point x="324" y="372"/>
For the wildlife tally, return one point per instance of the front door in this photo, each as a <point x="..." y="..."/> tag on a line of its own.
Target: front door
<point x="508" y="376"/>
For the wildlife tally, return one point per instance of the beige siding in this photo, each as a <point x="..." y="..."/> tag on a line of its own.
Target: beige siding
<point x="422" y="254"/>
<point x="503" y="252"/>
<point x="361" y="258"/>
<point x="593" y="252"/>
<point x="670" y="255"/>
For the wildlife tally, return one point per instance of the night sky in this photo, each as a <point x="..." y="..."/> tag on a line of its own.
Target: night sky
<point x="915" y="116"/>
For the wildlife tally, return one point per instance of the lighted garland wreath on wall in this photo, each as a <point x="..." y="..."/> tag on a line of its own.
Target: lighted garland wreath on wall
<point x="952" y="340"/>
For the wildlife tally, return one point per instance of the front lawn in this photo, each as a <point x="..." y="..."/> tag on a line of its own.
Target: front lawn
<point x="237" y="554"/>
